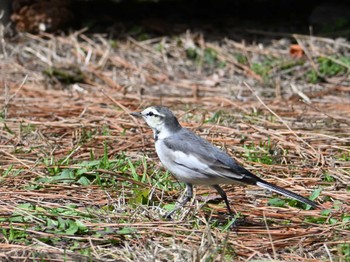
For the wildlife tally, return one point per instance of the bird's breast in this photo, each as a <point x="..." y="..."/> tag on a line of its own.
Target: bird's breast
<point x="164" y="153"/>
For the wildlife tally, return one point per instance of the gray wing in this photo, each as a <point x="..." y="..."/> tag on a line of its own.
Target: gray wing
<point x="203" y="157"/>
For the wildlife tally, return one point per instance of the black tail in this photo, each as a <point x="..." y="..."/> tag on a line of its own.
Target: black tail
<point x="287" y="193"/>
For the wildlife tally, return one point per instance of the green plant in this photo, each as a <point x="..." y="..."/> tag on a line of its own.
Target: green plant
<point x="27" y="128"/>
<point x="263" y="68"/>
<point x="242" y="59"/>
<point x="15" y="235"/>
<point x="327" y="217"/>
<point x="210" y="56"/>
<point x="344" y="252"/>
<point x="328" y="67"/>
<point x="312" y="77"/>
<point x="215" y="118"/>
<point x="261" y="153"/>
<point x="207" y="57"/>
<point x="328" y="178"/>
<point x="343" y="156"/>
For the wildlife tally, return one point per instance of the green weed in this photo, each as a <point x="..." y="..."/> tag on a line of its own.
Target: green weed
<point x="6" y="128"/>
<point x="210" y="57"/>
<point x="64" y="220"/>
<point x="262" y="153"/>
<point x="6" y="172"/>
<point x="312" y="77"/>
<point x="242" y="59"/>
<point x="328" y="178"/>
<point x="327" y="218"/>
<point x="207" y="57"/>
<point x="343" y="156"/>
<point x="10" y="171"/>
<point x="264" y="67"/>
<point x="344" y="252"/>
<point x="27" y="128"/>
<point x="329" y="67"/>
<point x="90" y="172"/>
<point x="15" y="235"/>
<point x="215" y="118"/>
<point x="269" y="65"/>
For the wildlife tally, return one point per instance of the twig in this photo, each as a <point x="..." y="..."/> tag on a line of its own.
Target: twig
<point x="270" y="237"/>
<point x="282" y="121"/>
<point x="328" y="252"/>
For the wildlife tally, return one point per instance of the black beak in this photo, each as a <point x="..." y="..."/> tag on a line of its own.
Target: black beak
<point x="137" y="114"/>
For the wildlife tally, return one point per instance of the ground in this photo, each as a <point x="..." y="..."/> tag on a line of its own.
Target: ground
<point x="80" y="180"/>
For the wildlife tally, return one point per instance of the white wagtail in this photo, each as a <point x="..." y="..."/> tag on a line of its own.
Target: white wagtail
<point x="195" y="161"/>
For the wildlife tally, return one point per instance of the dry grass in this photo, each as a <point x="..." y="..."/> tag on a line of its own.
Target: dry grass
<point x="303" y="129"/>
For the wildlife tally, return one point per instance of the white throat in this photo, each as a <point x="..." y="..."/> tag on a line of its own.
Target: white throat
<point x="161" y="133"/>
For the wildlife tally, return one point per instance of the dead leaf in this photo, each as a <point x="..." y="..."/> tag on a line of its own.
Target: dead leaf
<point x="296" y="51"/>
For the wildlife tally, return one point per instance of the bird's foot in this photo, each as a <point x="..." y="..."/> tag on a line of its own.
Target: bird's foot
<point x="168" y="215"/>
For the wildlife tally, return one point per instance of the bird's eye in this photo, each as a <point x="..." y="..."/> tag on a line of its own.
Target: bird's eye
<point x="150" y="113"/>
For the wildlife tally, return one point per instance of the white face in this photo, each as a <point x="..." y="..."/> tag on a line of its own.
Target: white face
<point x="153" y="118"/>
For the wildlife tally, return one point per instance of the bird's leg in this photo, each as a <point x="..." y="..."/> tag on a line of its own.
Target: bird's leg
<point x="238" y="219"/>
<point x="224" y="197"/>
<point x="188" y="197"/>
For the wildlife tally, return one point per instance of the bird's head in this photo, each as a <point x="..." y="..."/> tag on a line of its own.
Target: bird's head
<point x="159" y="118"/>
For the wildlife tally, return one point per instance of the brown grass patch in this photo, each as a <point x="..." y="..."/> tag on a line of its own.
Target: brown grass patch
<point x="50" y="121"/>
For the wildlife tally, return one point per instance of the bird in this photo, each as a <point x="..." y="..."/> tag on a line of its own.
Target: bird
<point x="195" y="161"/>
